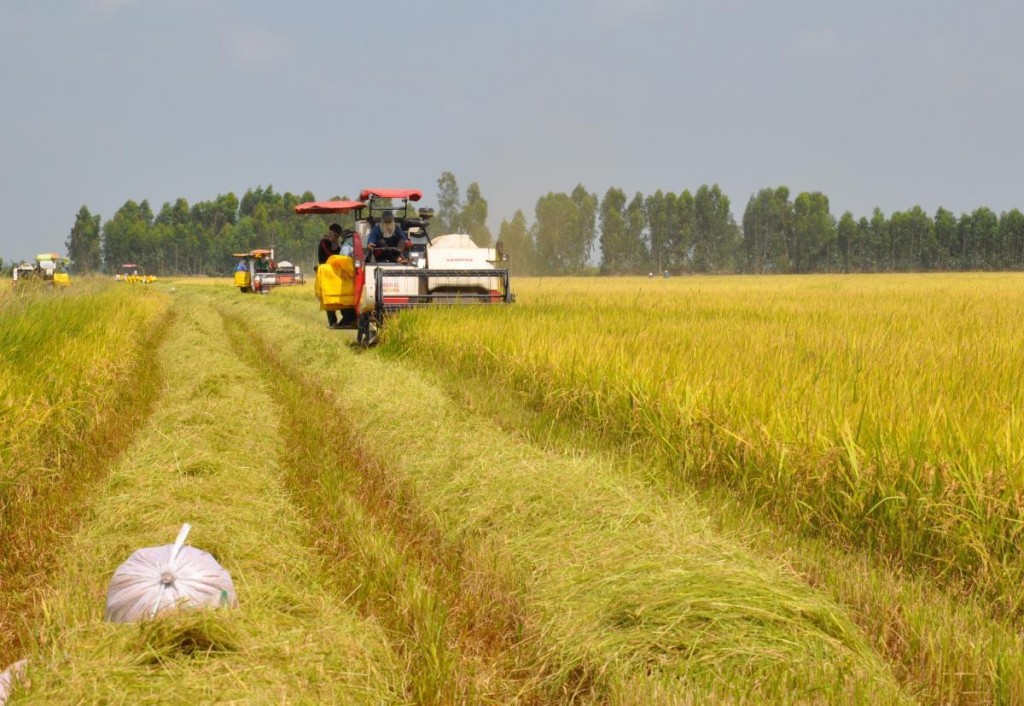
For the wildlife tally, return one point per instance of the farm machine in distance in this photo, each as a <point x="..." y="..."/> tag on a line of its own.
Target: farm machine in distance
<point x="257" y="272"/>
<point x="369" y="281"/>
<point x="130" y="273"/>
<point x="50" y="268"/>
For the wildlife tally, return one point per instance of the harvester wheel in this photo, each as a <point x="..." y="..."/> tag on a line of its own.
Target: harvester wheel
<point x="366" y="330"/>
<point x="243" y="290"/>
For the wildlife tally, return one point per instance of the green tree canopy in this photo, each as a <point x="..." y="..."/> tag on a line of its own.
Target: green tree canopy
<point x="615" y="251"/>
<point x="518" y="244"/>
<point x="83" y="243"/>
<point x="557" y="222"/>
<point x="716" y="236"/>
<point x="814" y="234"/>
<point x="473" y="217"/>
<point x="449" y="205"/>
<point x="582" y="243"/>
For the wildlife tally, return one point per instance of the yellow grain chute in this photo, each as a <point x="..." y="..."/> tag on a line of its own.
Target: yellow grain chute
<point x="335" y="283"/>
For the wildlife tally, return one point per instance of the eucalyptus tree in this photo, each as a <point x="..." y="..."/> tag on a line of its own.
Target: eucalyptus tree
<point x="681" y="231"/>
<point x="861" y="252"/>
<point x="946" y="238"/>
<point x="659" y="227"/>
<point x="614" y="249"/>
<point x="1011" y="232"/>
<point x="846" y="240"/>
<point x="922" y="249"/>
<point x="586" y="231"/>
<point x="557" y="221"/>
<point x="517" y="242"/>
<point x="637" y="252"/>
<point x="716" y="236"/>
<point x="814" y="233"/>
<point x="473" y="216"/>
<point x="174" y="232"/>
<point x="213" y="221"/>
<point x="83" y="242"/>
<point x="911" y="241"/>
<point x="768" y="231"/>
<point x="878" y="249"/>
<point x="962" y="250"/>
<point x="985" y="236"/>
<point x="126" y="238"/>
<point x="449" y="205"/>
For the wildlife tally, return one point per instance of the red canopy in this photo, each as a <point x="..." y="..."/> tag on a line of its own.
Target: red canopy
<point x="329" y="207"/>
<point x="411" y="194"/>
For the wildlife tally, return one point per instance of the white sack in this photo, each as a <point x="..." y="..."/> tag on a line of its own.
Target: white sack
<point x="9" y="677"/>
<point x="157" y="578"/>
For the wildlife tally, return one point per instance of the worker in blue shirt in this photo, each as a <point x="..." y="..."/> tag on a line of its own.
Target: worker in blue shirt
<point x="389" y="235"/>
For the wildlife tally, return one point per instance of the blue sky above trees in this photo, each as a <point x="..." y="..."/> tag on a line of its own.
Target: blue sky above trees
<point x="872" y="103"/>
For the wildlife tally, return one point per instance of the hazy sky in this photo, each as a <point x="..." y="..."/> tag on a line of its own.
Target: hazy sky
<point x="886" y="103"/>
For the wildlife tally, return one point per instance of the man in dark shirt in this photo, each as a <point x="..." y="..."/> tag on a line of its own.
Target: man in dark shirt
<point x="329" y="244"/>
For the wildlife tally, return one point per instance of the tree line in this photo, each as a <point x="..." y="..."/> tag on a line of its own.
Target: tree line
<point x="697" y="233"/>
<point x="574" y="233"/>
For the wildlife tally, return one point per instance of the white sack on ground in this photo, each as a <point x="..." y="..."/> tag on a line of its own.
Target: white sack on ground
<point x="9" y="677"/>
<point x="172" y="576"/>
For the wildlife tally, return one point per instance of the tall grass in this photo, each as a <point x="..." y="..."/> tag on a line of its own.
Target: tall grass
<point x="882" y="411"/>
<point x="75" y="374"/>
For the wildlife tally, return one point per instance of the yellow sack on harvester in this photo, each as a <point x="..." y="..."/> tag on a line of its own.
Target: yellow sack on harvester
<point x="335" y="283"/>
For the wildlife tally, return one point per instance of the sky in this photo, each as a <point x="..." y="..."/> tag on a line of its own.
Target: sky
<point x="887" y="103"/>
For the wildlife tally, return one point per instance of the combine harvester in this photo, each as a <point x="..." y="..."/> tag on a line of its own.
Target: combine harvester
<point x="257" y="272"/>
<point x="130" y="273"/>
<point x="367" y="284"/>
<point x="50" y="267"/>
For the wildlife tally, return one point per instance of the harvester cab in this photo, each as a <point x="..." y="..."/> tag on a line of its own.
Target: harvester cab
<point x="367" y="283"/>
<point x="256" y="271"/>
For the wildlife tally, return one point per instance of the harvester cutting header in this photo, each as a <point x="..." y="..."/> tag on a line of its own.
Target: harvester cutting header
<point x="389" y="262"/>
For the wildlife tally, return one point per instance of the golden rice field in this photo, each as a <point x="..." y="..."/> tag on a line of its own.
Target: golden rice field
<point x="615" y="491"/>
<point x="885" y="412"/>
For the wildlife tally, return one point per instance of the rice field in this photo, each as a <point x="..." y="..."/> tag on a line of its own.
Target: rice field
<point x="882" y="411"/>
<point x="73" y="384"/>
<point x="624" y="491"/>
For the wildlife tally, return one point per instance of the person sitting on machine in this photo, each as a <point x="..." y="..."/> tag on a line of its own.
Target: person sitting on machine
<point x="262" y="263"/>
<point x="389" y="238"/>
